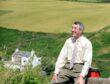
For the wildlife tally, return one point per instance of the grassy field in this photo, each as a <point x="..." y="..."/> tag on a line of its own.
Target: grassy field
<point x="38" y="25"/>
<point x="52" y="15"/>
<point x="48" y="46"/>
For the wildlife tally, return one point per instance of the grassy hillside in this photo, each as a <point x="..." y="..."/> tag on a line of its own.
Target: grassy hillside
<point x="101" y="43"/>
<point x="52" y="15"/>
<point x="47" y="46"/>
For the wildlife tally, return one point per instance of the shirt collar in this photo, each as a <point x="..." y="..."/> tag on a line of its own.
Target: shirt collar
<point x="76" y="40"/>
<point x="79" y="38"/>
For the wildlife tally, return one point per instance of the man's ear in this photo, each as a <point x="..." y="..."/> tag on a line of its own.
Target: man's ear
<point x="81" y="31"/>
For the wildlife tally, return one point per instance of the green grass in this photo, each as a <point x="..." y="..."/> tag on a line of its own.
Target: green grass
<point x="53" y="15"/>
<point x="48" y="46"/>
<point x="3" y="12"/>
<point x="44" y="26"/>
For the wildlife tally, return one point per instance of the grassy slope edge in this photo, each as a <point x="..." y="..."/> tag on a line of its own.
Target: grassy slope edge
<point x="48" y="45"/>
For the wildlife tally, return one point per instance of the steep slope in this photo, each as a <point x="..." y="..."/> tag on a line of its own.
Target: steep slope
<point x="101" y="46"/>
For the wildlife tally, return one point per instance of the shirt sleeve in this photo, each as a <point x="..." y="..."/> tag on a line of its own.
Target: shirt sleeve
<point x="87" y="59"/>
<point x="61" y="59"/>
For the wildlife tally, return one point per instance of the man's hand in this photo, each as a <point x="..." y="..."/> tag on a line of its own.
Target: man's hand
<point x="80" y="80"/>
<point x="55" y="77"/>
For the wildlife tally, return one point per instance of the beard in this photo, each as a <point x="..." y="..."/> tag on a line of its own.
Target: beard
<point x="76" y="35"/>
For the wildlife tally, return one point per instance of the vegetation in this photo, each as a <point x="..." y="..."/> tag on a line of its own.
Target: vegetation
<point x="54" y="16"/>
<point x="48" y="46"/>
<point x="2" y="12"/>
<point x="43" y="26"/>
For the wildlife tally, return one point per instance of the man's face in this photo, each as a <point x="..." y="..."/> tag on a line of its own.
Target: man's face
<point x="76" y="31"/>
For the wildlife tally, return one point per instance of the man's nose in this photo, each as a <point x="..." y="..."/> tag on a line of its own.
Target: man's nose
<point x="72" y="29"/>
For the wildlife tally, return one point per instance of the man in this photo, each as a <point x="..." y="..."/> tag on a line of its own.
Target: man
<point x="74" y="59"/>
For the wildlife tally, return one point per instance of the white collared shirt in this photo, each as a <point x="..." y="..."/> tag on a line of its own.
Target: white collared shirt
<point x="84" y="54"/>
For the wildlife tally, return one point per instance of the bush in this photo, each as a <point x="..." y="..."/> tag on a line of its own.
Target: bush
<point x="27" y="77"/>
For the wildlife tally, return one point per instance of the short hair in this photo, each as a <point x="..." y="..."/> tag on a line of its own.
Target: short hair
<point x="80" y="24"/>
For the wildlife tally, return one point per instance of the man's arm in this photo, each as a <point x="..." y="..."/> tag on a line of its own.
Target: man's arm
<point x="60" y="61"/>
<point x="87" y="59"/>
<point x="87" y="62"/>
